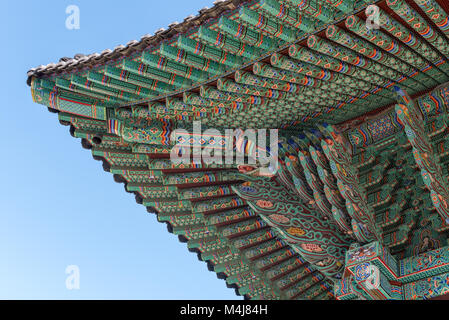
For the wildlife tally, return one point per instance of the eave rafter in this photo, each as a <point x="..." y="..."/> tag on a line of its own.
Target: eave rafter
<point x="188" y="62"/>
<point x="285" y="64"/>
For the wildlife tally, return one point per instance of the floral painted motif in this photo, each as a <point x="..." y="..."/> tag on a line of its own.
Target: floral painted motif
<point x="296" y="231"/>
<point x="280" y="218"/>
<point x="264" y="204"/>
<point x="311" y="247"/>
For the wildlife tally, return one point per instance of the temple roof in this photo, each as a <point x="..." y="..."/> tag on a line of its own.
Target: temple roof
<point x="315" y="59"/>
<point x="80" y="61"/>
<point x="288" y="64"/>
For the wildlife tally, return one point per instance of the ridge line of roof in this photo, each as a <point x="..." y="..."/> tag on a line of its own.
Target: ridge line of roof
<point x="175" y="28"/>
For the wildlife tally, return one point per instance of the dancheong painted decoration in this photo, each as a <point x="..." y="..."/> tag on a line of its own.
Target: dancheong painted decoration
<point x="357" y="203"/>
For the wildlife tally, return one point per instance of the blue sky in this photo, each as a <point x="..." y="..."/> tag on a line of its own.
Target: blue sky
<point x="57" y="205"/>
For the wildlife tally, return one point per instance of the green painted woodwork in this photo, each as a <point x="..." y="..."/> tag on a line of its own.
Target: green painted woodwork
<point x="349" y="176"/>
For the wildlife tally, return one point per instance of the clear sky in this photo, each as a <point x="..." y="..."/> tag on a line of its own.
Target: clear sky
<point x="57" y="205"/>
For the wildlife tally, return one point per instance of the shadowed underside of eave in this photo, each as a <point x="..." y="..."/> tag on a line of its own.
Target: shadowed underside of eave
<point x="285" y="64"/>
<point x="237" y="228"/>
